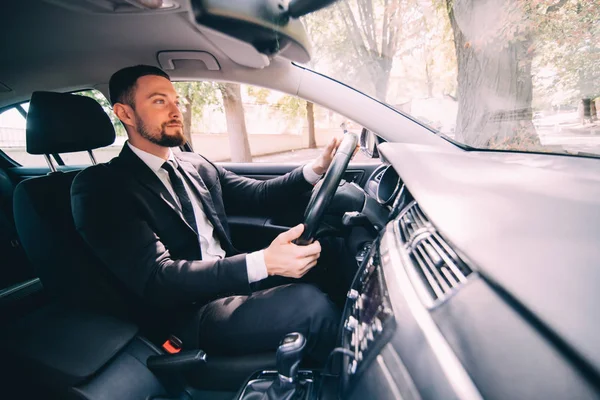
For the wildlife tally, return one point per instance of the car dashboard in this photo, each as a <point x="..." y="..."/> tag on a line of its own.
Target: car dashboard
<point x="426" y="318"/>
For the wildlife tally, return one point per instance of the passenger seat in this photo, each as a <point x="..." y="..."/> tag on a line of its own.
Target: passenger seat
<point x="63" y="352"/>
<point x="15" y="265"/>
<point x="70" y="272"/>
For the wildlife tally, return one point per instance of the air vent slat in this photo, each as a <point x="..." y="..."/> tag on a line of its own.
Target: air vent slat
<point x="434" y="270"/>
<point x="443" y="243"/>
<point x="404" y="229"/>
<point x="433" y="284"/>
<point x="449" y="262"/>
<point x="419" y="214"/>
<point x="439" y="267"/>
<point x="449" y="276"/>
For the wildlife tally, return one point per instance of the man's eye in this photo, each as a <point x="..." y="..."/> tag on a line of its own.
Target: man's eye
<point x="159" y="101"/>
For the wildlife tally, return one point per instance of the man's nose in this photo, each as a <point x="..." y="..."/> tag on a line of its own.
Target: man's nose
<point x="175" y="112"/>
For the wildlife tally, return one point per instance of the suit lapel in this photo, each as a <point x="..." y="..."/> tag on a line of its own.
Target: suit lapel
<point x="144" y="175"/>
<point x="202" y="191"/>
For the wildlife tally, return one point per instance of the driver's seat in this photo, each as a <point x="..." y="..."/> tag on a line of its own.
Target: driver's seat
<point x="70" y="272"/>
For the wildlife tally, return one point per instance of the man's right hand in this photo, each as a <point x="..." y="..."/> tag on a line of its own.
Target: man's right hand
<point x="287" y="259"/>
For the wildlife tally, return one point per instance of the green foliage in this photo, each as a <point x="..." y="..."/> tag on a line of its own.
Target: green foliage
<point x="567" y="47"/>
<point x="292" y="106"/>
<point x="260" y="95"/>
<point x="197" y="95"/>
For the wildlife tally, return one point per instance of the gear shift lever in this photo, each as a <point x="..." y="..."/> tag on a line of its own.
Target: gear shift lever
<point x="289" y="355"/>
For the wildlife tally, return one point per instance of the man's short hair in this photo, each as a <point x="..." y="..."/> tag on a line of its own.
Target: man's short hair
<point x="122" y="83"/>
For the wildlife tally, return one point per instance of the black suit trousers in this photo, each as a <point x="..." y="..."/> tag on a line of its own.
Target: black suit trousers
<point x="240" y="325"/>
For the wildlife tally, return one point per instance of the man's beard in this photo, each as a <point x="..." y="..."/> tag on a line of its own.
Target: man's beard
<point x="162" y="138"/>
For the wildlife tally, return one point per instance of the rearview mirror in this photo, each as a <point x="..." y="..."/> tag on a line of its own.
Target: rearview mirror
<point x="271" y="26"/>
<point x="368" y="143"/>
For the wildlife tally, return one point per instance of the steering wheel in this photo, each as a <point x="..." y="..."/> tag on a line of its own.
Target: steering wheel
<point x="323" y="193"/>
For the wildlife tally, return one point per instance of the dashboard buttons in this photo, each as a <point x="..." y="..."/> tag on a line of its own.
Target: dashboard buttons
<point x="363" y="252"/>
<point x="353" y="294"/>
<point x="363" y="344"/>
<point x="377" y="326"/>
<point x="359" y="303"/>
<point x="351" y="323"/>
<point x="352" y="367"/>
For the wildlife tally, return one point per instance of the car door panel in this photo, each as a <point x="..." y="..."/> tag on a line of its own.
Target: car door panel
<point x="249" y="232"/>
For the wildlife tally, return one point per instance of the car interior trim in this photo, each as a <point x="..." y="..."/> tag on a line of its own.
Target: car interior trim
<point x="390" y="198"/>
<point x="167" y="59"/>
<point x="393" y="262"/>
<point x="390" y="357"/>
<point x="5" y="293"/>
<point x="388" y="377"/>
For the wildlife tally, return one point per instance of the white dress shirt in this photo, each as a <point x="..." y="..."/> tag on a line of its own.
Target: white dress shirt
<point x="209" y="243"/>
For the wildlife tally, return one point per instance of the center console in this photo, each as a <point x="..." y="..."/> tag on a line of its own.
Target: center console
<point x="368" y="318"/>
<point x="287" y="382"/>
<point x="368" y="324"/>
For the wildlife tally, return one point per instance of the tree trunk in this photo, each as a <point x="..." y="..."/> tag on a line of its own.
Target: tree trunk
<point x="495" y="86"/>
<point x="381" y="77"/>
<point x="187" y="120"/>
<point x="236" y="122"/>
<point x="310" y="118"/>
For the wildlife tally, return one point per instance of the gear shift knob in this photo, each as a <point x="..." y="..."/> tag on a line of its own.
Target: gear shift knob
<point x="289" y="355"/>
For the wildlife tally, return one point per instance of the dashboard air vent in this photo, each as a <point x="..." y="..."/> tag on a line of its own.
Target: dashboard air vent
<point x="438" y="266"/>
<point x="379" y="175"/>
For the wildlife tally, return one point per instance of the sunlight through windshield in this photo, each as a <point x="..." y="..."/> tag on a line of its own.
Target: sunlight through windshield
<point x="499" y="74"/>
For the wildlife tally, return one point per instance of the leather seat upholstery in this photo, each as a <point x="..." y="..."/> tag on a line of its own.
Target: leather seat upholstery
<point x="16" y="267"/>
<point x="64" y="352"/>
<point x="69" y="271"/>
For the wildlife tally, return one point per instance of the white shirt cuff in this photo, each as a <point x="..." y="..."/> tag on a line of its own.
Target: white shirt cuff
<point x="310" y="175"/>
<point x="256" y="267"/>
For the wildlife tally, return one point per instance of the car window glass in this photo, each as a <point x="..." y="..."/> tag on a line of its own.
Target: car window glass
<point x="231" y="122"/>
<point x="12" y="137"/>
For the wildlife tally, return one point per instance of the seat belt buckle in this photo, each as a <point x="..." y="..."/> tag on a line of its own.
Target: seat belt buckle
<point x="172" y="345"/>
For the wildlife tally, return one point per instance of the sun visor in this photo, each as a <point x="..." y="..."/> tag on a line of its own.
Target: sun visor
<point x="252" y="32"/>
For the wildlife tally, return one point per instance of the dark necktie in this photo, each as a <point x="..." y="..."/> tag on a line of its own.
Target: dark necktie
<point x="178" y="186"/>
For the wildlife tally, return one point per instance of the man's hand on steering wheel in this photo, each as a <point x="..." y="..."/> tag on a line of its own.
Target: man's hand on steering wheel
<point x="322" y="163"/>
<point x="334" y="160"/>
<point x="284" y="258"/>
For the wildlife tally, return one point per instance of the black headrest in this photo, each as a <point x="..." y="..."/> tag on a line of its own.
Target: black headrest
<point x="65" y="123"/>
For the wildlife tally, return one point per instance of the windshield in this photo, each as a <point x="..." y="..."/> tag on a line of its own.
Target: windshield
<point x="496" y="74"/>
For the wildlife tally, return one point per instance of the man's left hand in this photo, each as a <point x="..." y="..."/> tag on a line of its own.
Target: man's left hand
<point x="322" y="163"/>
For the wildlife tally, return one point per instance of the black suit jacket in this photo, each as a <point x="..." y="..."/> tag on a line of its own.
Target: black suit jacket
<point x="132" y="223"/>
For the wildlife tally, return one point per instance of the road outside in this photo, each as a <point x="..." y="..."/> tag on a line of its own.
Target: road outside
<point x="567" y="131"/>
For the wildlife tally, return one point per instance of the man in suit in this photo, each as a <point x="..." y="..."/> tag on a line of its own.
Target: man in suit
<point x="156" y="219"/>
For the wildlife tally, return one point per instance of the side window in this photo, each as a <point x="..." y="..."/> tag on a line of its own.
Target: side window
<point x="12" y="136"/>
<point x="242" y="123"/>
<point x="13" y="139"/>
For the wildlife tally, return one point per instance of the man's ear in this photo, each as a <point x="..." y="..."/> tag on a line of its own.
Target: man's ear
<point x="125" y="113"/>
